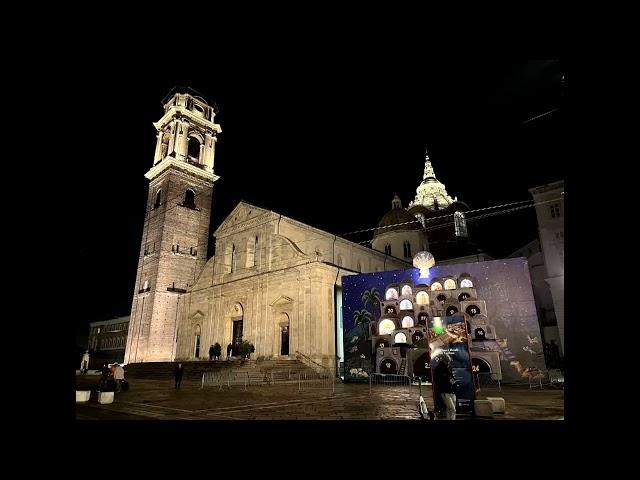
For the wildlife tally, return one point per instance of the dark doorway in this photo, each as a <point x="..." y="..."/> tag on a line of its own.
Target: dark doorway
<point x="284" y="340"/>
<point x="389" y="366"/>
<point x="422" y="368"/>
<point x="237" y="336"/>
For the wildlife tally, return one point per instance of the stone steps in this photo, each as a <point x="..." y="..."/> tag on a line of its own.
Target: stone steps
<point x="256" y="370"/>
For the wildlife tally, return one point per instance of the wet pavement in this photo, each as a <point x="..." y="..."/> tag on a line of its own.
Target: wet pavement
<point x="158" y="400"/>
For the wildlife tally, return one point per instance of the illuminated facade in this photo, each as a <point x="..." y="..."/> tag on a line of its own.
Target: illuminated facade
<point x="173" y="250"/>
<point x="273" y="282"/>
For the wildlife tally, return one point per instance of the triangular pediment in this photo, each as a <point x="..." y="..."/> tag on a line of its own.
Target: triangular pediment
<point x="241" y="213"/>
<point x="281" y="300"/>
<point x="197" y="315"/>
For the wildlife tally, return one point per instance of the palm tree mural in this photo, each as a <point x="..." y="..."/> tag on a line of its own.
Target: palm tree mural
<point x="372" y="296"/>
<point x="362" y="317"/>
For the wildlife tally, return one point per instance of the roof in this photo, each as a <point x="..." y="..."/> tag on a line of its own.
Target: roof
<point x="394" y="217"/>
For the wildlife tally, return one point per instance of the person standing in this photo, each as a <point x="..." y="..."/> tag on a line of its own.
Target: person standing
<point x="229" y="347"/>
<point x="118" y="376"/>
<point x="177" y="373"/>
<point x="104" y="378"/>
<point x="444" y="379"/>
<point x="211" y="353"/>
<point x="84" y="367"/>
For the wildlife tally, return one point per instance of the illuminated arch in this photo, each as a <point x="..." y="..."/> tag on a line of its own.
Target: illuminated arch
<point x="422" y="298"/>
<point x="400" y="338"/>
<point x="436" y="286"/>
<point x="449" y="284"/>
<point x="406" y="290"/>
<point x="406" y="305"/>
<point x="386" y="327"/>
<point x="466" y="283"/>
<point x="392" y="294"/>
<point x="407" y="322"/>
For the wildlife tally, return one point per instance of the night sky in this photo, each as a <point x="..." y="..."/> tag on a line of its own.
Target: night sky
<point x="326" y="141"/>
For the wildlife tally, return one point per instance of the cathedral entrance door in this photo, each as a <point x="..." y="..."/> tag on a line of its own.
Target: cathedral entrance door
<point x="237" y="336"/>
<point x="284" y="340"/>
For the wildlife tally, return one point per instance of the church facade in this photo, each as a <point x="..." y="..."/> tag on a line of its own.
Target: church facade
<point x="273" y="281"/>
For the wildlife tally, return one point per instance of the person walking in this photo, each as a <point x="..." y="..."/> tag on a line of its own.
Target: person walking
<point x="444" y="380"/>
<point x="177" y="373"/>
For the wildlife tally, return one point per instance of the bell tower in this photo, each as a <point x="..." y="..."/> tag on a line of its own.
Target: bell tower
<point x="176" y="226"/>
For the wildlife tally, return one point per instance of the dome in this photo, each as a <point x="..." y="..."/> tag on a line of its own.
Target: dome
<point x="395" y="216"/>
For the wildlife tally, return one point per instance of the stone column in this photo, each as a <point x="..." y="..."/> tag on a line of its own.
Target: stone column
<point x="172" y="138"/>
<point x="181" y="139"/>
<point x="158" y="152"/>
<point x="207" y="151"/>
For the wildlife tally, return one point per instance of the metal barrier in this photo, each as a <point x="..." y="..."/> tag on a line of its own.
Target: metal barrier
<point x="246" y="379"/>
<point x="488" y="380"/>
<point x="551" y="378"/>
<point x="321" y="380"/>
<point x="389" y="380"/>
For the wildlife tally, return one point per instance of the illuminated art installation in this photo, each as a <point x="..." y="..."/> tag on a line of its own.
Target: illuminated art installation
<point x="424" y="261"/>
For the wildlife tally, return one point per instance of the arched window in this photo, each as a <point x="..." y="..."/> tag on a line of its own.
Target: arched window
<point x="146" y="285"/>
<point x="406" y="290"/>
<point x="194" y="149"/>
<point x="449" y="284"/>
<point x="386" y="327"/>
<point x="189" y="199"/>
<point x="392" y="294"/>
<point x="197" y="346"/>
<point x="407" y="249"/>
<point x="233" y="257"/>
<point x="407" y="322"/>
<point x="406" y="305"/>
<point x="400" y="338"/>
<point x="422" y="298"/>
<point x="463" y="296"/>
<point x="466" y="283"/>
<point x="460" y="224"/>
<point x="451" y="309"/>
<point x="436" y="286"/>
<point x="157" y="202"/>
<point x="387" y="249"/>
<point x="255" y="253"/>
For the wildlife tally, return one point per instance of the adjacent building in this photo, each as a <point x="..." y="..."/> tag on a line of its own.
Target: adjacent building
<point x="107" y="341"/>
<point x="549" y="201"/>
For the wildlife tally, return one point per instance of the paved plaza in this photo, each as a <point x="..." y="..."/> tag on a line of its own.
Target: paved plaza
<point x="158" y="400"/>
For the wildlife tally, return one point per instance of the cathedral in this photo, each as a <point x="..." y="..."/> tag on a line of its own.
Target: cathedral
<point x="273" y="281"/>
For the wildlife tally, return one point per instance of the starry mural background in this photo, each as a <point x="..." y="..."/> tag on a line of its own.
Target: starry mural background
<point x="505" y="285"/>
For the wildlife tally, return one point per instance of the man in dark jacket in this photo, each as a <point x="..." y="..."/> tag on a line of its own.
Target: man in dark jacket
<point x="443" y="379"/>
<point x="211" y="353"/>
<point x="178" y="372"/>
